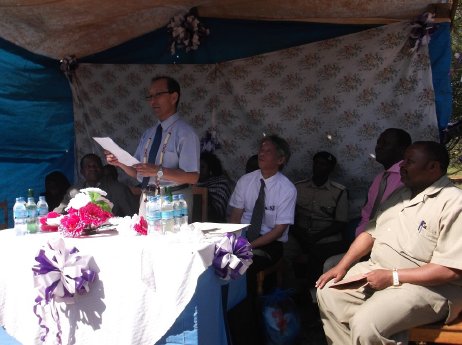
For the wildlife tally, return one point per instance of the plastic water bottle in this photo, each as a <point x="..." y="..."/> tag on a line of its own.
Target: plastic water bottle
<point x="20" y="216"/>
<point x="31" y="220"/>
<point x="167" y="215"/>
<point x="176" y="212"/>
<point x="42" y="207"/>
<point x="153" y="215"/>
<point x="183" y="205"/>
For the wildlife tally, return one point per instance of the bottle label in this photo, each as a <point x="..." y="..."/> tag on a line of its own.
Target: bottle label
<point x="42" y="211"/>
<point x="167" y="214"/>
<point x="19" y="214"/>
<point x="31" y="213"/>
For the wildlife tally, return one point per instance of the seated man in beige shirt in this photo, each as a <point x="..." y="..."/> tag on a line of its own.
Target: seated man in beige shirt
<point x="413" y="276"/>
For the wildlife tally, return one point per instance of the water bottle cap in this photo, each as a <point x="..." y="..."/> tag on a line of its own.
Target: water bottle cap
<point x="181" y="196"/>
<point x="176" y="196"/>
<point x="42" y="197"/>
<point x="151" y="198"/>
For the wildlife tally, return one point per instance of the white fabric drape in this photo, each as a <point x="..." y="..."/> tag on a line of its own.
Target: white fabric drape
<point x="336" y="95"/>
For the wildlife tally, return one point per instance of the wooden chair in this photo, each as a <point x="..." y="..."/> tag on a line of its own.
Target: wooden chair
<point x="277" y="268"/>
<point x="438" y="333"/>
<point x="4" y="208"/>
<point x="200" y="204"/>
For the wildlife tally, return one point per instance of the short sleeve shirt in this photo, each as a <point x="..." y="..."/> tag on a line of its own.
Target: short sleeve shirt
<point x="319" y="206"/>
<point x="425" y="229"/>
<point x="280" y="198"/>
<point x="182" y="150"/>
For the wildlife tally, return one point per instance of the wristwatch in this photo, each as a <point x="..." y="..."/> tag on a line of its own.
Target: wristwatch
<point x="396" y="277"/>
<point x="160" y="172"/>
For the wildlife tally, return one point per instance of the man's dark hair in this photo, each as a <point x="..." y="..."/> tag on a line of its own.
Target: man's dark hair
<point x="281" y="145"/>
<point x="403" y="138"/>
<point x="435" y="152"/>
<point x="213" y="163"/>
<point x="92" y="156"/>
<point x="172" y="86"/>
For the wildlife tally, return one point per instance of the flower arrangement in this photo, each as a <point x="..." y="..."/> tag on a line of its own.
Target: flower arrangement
<point x="88" y="210"/>
<point x="187" y="32"/>
<point x="421" y="29"/>
<point x="130" y="226"/>
<point x="139" y="224"/>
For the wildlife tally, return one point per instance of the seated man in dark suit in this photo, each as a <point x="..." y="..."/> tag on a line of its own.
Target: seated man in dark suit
<point x="91" y="168"/>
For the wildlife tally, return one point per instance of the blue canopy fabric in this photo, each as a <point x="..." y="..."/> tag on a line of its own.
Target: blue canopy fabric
<point x="37" y="125"/>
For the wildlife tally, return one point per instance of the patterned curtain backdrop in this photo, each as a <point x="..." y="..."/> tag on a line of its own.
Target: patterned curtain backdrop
<point x="336" y="95"/>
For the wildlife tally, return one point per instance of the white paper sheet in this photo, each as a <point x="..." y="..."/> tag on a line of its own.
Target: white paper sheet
<point x="219" y="229"/>
<point x="123" y="156"/>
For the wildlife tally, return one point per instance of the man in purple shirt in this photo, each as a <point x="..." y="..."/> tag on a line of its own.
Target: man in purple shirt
<point x="389" y="152"/>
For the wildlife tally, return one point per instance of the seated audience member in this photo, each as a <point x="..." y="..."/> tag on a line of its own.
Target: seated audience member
<point x="56" y="186"/>
<point x="321" y="215"/>
<point x="218" y="185"/>
<point x="252" y="164"/>
<point x="389" y="152"/>
<point x="91" y="168"/>
<point x="264" y="198"/>
<point x="413" y="276"/>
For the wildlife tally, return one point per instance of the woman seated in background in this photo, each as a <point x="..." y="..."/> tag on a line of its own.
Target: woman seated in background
<point x="56" y="186"/>
<point x="218" y="184"/>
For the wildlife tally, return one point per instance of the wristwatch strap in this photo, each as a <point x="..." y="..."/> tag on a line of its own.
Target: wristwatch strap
<point x="396" y="277"/>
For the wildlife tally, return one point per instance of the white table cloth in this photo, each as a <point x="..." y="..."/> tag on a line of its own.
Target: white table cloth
<point x="143" y="284"/>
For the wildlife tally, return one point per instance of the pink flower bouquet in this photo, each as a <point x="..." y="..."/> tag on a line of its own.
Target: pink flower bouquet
<point x="88" y="210"/>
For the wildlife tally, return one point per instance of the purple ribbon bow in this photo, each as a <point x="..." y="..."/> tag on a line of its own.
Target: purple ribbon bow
<point x="58" y="276"/>
<point x="233" y="256"/>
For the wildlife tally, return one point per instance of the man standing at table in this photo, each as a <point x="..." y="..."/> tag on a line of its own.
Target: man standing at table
<point x="413" y="276"/>
<point x="169" y="151"/>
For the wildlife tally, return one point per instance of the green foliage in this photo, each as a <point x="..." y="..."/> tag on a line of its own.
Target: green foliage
<point x="455" y="145"/>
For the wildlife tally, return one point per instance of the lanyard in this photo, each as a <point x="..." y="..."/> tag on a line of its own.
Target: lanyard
<point x="164" y="145"/>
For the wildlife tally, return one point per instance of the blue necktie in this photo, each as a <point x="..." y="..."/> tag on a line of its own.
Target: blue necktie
<point x="257" y="214"/>
<point x="153" y="153"/>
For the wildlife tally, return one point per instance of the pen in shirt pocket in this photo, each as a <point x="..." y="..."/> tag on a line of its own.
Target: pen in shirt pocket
<point x="422" y="226"/>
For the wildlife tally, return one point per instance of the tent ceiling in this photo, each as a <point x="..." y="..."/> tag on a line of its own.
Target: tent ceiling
<point x="57" y="28"/>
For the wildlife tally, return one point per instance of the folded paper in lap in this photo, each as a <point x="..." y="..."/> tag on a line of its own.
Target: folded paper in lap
<point x="353" y="282"/>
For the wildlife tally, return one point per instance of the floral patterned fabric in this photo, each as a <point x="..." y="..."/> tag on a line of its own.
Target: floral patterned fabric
<point x="336" y="95"/>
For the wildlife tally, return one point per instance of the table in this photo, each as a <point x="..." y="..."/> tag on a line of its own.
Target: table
<point x="149" y="291"/>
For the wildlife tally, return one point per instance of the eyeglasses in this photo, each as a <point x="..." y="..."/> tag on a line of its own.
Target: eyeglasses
<point x="156" y="95"/>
